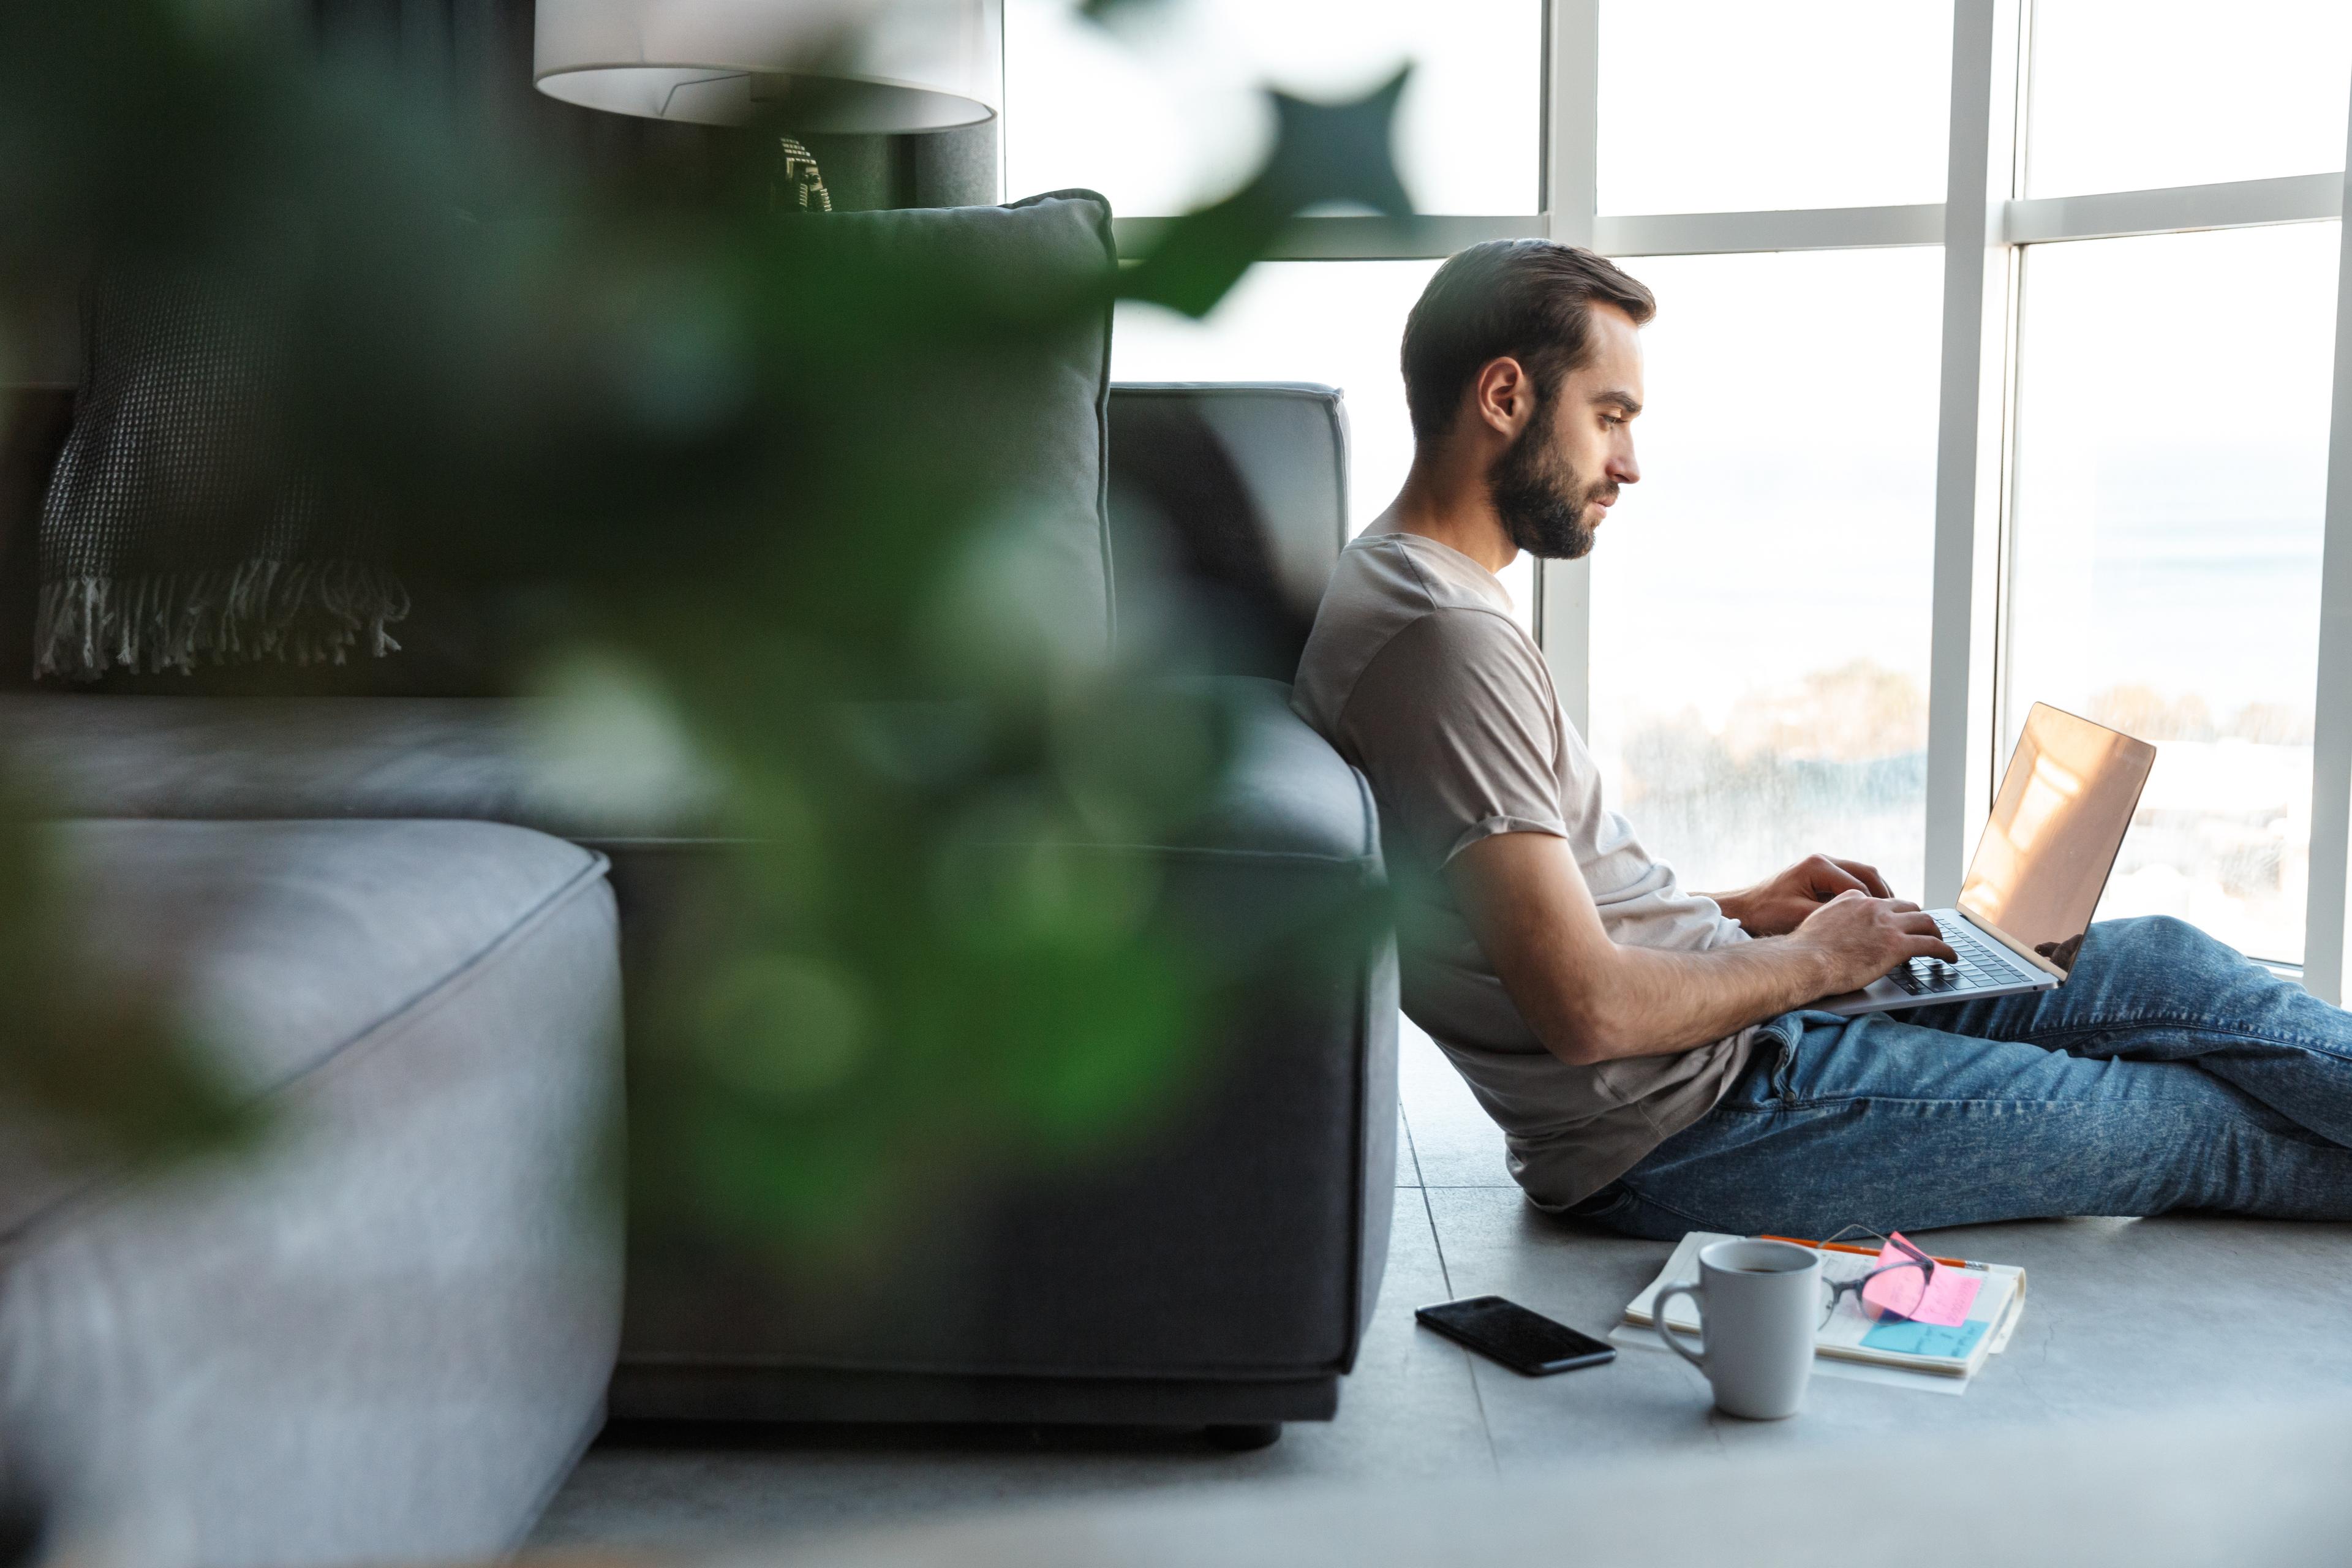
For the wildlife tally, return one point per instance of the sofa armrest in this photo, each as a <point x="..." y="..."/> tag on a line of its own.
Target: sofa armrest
<point x="1236" y="1234"/>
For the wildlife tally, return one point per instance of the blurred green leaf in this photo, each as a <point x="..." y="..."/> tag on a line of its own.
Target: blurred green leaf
<point x="1334" y="153"/>
<point x="95" y="1068"/>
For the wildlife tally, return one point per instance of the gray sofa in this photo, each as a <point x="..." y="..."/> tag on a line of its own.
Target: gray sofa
<point x="381" y="1333"/>
<point x="388" y="1337"/>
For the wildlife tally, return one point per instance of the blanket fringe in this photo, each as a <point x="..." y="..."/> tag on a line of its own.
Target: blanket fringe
<point x="300" y="612"/>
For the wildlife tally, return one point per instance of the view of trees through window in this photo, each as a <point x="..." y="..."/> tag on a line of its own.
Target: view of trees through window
<point x="1760" y="599"/>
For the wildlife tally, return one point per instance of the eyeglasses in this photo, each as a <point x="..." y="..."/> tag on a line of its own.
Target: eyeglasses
<point x="1887" y="1293"/>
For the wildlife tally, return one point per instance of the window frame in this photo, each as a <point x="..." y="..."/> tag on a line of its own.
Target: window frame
<point x="1983" y="225"/>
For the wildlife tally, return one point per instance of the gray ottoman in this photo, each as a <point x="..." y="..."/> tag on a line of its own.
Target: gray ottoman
<point x="384" y="1334"/>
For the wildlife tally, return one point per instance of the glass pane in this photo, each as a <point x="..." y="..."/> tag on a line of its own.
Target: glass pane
<point x="1161" y="113"/>
<point x="2138" y="94"/>
<point x="1732" y="106"/>
<point x="2171" y="469"/>
<point x="1339" y="322"/>
<point x="1760" y="599"/>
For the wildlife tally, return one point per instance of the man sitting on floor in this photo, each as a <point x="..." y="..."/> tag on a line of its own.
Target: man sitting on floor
<point x="1648" y="1052"/>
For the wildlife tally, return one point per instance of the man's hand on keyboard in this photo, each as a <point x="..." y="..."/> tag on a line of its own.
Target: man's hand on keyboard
<point x="1779" y="904"/>
<point x="1860" y="938"/>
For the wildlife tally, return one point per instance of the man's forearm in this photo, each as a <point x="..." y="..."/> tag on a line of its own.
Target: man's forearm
<point x="1655" y="1001"/>
<point x="1588" y="999"/>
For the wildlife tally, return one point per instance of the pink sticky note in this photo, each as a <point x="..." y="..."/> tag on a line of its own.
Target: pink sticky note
<point x="1950" y="1291"/>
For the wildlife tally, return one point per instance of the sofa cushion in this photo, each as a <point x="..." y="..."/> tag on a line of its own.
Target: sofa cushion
<point x="299" y="937"/>
<point x="245" y="759"/>
<point x="258" y="758"/>
<point x="285" y="942"/>
<point x="1029" y="428"/>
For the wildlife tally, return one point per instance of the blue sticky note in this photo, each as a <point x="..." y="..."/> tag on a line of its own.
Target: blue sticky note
<point x="1925" y="1339"/>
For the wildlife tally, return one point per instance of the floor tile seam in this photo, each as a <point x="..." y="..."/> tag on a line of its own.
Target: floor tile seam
<point x="1412" y="1146"/>
<point x="1477" y="1394"/>
<point x="1485" y="1426"/>
<point x="1444" y="1274"/>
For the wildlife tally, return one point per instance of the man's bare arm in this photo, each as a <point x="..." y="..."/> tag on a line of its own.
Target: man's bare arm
<point x="1590" y="1000"/>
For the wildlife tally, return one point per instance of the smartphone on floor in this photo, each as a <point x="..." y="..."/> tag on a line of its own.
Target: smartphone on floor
<point x="1526" y="1342"/>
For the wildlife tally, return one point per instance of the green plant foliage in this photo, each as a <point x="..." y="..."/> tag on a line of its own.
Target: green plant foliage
<point x="92" y="1051"/>
<point x="675" y="411"/>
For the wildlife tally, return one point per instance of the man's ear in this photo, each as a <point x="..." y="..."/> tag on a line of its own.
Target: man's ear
<point x="1502" y="397"/>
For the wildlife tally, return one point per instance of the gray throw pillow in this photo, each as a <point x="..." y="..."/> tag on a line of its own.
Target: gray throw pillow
<point x="175" y="534"/>
<point x="1028" y="421"/>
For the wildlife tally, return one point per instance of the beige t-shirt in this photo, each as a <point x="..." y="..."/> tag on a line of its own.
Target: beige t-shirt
<point x="1419" y="676"/>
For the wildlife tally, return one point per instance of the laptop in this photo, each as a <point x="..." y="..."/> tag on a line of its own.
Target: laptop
<point x="2068" y="795"/>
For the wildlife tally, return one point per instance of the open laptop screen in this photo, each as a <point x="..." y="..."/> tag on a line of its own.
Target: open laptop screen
<point x="2056" y="825"/>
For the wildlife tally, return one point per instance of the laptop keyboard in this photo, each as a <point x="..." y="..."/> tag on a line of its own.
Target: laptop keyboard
<point x="1979" y="966"/>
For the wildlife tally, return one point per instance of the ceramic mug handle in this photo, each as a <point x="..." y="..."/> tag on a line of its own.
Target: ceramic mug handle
<point x="1658" y="1317"/>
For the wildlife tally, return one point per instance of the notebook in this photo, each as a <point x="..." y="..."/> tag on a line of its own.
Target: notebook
<point x="1956" y="1350"/>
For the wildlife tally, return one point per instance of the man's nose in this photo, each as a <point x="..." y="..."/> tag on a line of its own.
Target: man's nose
<point x="1623" y="469"/>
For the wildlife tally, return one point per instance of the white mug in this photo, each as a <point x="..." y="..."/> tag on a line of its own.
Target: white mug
<point x="1759" y="1306"/>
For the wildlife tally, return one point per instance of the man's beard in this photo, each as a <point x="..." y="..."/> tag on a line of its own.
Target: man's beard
<point x="1540" y="499"/>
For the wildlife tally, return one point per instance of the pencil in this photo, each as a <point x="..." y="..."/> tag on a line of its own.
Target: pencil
<point x="1865" y="1251"/>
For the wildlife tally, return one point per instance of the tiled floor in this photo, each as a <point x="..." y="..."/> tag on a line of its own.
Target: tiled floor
<point x="2169" y="1318"/>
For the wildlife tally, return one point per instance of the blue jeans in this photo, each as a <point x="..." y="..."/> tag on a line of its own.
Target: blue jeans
<point x="2168" y="1073"/>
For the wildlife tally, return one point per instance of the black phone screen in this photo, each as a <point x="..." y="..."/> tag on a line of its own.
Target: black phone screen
<point x="1525" y="1341"/>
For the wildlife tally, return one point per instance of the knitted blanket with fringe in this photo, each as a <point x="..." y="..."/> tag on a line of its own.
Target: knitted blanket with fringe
<point x="181" y="526"/>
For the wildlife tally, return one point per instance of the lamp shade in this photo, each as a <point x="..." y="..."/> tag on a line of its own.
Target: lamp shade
<point x="854" y="66"/>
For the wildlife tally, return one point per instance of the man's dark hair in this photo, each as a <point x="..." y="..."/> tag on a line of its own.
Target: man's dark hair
<point x="1528" y="299"/>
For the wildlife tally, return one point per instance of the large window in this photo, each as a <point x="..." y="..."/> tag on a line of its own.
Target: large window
<point x="1893" y="493"/>
<point x="2171" y="471"/>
